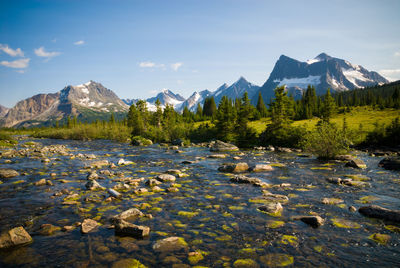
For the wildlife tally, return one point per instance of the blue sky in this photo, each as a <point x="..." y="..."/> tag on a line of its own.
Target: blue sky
<point x="137" y="48"/>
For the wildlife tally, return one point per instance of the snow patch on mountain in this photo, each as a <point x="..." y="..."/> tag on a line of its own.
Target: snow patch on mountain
<point x="354" y="75"/>
<point x="299" y="82"/>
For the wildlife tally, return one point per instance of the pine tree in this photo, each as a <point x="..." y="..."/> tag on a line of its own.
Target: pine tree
<point x="261" y="108"/>
<point x="158" y="114"/>
<point x="199" y="112"/>
<point x="225" y="119"/>
<point x="328" y="107"/>
<point x="209" y="107"/>
<point x="112" y="119"/>
<point x="280" y="110"/>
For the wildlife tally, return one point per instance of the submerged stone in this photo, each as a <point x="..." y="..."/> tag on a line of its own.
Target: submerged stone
<point x="127" y="214"/>
<point x="375" y="211"/>
<point x="314" y="221"/>
<point x="272" y="209"/>
<point x="88" y="225"/>
<point x="275" y="224"/>
<point x="94" y="185"/>
<point x="331" y="200"/>
<point x="244" y="179"/>
<point x="391" y="163"/>
<point x="166" y="178"/>
<point x="245" y="263"/>
<point x="234" y="168"/>
<point x="342" y="223"/>
<point x="128" y="263"/>
<point x="382" y="239"/>
<point x="277" y="260"/>
<point x="261" y="168"/>
<point x="48" y="229"/>
<point x="170" y="244"/>
<point x="195" y="257"/>
<point x="6" y="173"/>
<point x="126" y="228"/>
<point x="356" y="163"/>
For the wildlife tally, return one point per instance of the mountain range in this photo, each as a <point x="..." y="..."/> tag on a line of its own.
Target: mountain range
<point x="92" y="100"/>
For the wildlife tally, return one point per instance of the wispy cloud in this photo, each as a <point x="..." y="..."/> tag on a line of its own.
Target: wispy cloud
<point x="12" y="52"/>
<point x="80" y="42"/>
<point x="18" y="64"/>
<point x="149" y="64"/>
<point x="391" y="74"/>
<point x="397" y="54"/>
<point x="41" y="52"/>
<point x="176" y="66"/>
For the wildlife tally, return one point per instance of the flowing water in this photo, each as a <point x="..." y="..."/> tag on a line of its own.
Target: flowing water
<point x="226" y="225"/>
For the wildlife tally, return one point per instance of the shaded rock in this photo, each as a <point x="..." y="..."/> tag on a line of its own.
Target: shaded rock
<point x="220" y="146"/>
<point x="283" y="150"/>
<point x="178" y="142"/>
<point x="378" y="212"/>
<point x="172" y="189"/>
<point x="390" y="163"/>
<point x="126" y="228"/>
<point x="360" y="184"/>
<point x="166" y="178"/>
<point x="244" y="179"/>
<point x="127" y="214"/>
<point x="245" y="263"/>
<point x="334" y="180"/>
<point x="274" y="208"/>
<point x="352" y="209"/>
<point x="188" y="162"/>
<point x="344" y="157"/>
<point x="94" y="185"/>
<point x="313" y="221"/>
<point x="356" y="163"/>
<point x="14" y="237"/>
<point x="8" y="173"/>
<point x="88" y="225"/>
<point x="139" y="141"/>
<point x="261" y="168"/>
<point x="170" y="244"/>
<point x="113" y="193"/>
<point x="234" y="168"/>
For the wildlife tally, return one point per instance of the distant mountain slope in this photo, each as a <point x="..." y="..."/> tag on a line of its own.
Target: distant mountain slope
<point x="323" y="72"/>
<point x="3" y="110"/>
<point x="236" y="90"/>
<point x="88" y="101"/>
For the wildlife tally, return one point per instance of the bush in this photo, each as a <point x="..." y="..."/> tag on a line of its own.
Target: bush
<point x="326" y="141"/>
<point x="381" y="135"/>
<point x="283" y="136"/>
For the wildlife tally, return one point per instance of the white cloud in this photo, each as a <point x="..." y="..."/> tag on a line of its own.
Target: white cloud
<point x="149" y="64"/>
<point x="18" y="64"/>
<point x="391" y="74"/>
<point x="80" y="42"/>
<point x="176" y="66"/>
<point x="397" y="54"/>
<point x="10" y="51"/>
<point x="41" y="52"/>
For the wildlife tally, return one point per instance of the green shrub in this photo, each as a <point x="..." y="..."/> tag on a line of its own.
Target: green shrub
<point x="326" y="141"/>
<point x="286" y="136"/>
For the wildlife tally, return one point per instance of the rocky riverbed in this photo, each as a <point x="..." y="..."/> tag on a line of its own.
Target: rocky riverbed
<point x="106" y="204"/>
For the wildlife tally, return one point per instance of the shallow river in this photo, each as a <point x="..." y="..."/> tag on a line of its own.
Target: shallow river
<point x="226" y="225"/>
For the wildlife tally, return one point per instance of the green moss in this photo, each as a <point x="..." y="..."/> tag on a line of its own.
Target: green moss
<point x="161" y="233"/>
<point x="188" y="214"/>
<point x="367" y="199"/>
<point x="226" y="214"/>
<point x="224" y="238"/>
<point x="382" y="239"/>
<point x="289" y="240"/>
<point x="156" y="209"/>
<point x="392" y="228"/>
<point x="236" y="208"/>
<point x="277" y="260"/>
<point x="209" y="197"/>
<point x="245" y="263"/>
<point x="275" y="224"/>
<point x="227" y="228"/>
<point x="128" y="263"/>
<point x="358" y="177"/>
<point x="341" y="223"/>
<point x="18" y="182"/>
<point x="318" y="249"/>
<point x="197" y="242"/>
<point x="195" y="257"/>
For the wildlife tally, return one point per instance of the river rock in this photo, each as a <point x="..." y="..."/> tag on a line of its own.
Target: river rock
<point x="153" y="182"/>
<point x="261" y="168"/>
<point x="126" y="228"/>
<point x="331" y="201"/>
<point x="234" y="168"/>
<point x="139" y="141"/>
<point x="334" y="180"/>
<point x="40" y="182"/>
<point x="220" y="146"/>
<point x="88" y="225"/>
<point x="378" y="212"/>
<point x="174" y="171"/>
<point x="99" y="164"/>
<point x="244" y="179"/>
<point x="8" y="173"/>
<point x="178" y="142"/>
<point x="170" y="244"/>
<point x="127" y="214"/>
<point x="94" y="185"/>
<point x="270" y="197"/>
<point x="92" y="176"/>
<point x="14" y="237"/>
<point x="48" y="229"/>
<point x="114" y="193"/>
<point x="390" y="163"/>
<point x="272" y="208"/>
<point x="283" y="150"/>
<point x="313" y="221"/>
<point x="166" y="178"/>
<point x="123" y="162"/>
<point x="344" y="157"/>
<point x="217" y="156"/>
<point x="356" y="163"/>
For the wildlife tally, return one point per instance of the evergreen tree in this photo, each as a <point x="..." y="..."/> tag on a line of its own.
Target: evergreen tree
<point x="225" y="120"/>
<point x="158" y="114"/>
<point x="245" y="135"/>
<point x="135" y="120"/>
<point x="280" y="108"/>
<point x="112" y="119"/>
<point x="199" y="112"/>
<point x="328" y="107"/>
<point x="209" y="107"/>
<point x="187" y="115"/>
<point x="261" y="108"/>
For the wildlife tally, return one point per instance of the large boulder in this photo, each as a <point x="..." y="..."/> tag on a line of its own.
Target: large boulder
<point x="14" y="237"/>
<point x="127" y="214"/>
<point x="6" y="173"/>
<point x="244" y="179"/>
<point x="140" y="141"/>
<point x="391" y="163"/>
<point x="274" y="208"/>
<point x="356" y="163"/>
<point x="170" y="244"/>
<point x="378" y="212"/>
<point x="220" y="146"/>
<point x="178" y="142"/>
<point x="126" y="228"/>
<point x="234" y="168"/>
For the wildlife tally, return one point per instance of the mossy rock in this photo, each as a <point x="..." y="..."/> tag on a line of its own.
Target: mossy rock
<point x="195" y="257"/>
<point x="170" y="244"/>
<point x="188" y="214"/>
<point x="277" y="260"/>
<point x="367" y="199"/>
<point x="245" y="263"/>
<point x="342" y="223"/>
<point x="224" y="238"/>
<point x="275" y="224"/>
<point x="382" y="239"/>
<point x="393" y="228"/>
<point x="289" y="240"/>
<point x="128" y="263"/>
